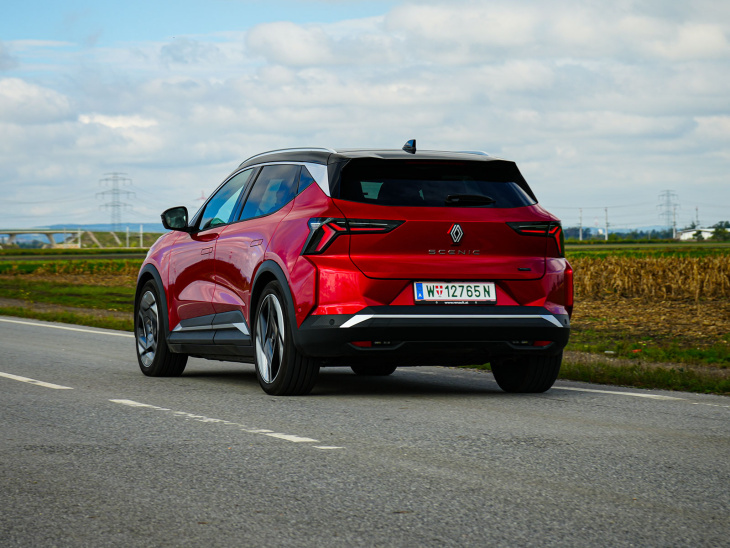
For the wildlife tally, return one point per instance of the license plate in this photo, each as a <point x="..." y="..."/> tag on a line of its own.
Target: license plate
<point x="455" y="292"/>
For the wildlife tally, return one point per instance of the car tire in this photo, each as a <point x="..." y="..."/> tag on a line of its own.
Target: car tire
<point x="153" y="355"/>
<point x="526" y="374"/>
<point x="280" y="368"/>
<point x="373" y="370"/>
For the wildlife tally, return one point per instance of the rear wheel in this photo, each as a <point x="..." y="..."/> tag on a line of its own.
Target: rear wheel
<point x="373" y="370"/>
<point x="154" y="357"/>
<point x="526" y="373"/>
<point x="281" y="369"/>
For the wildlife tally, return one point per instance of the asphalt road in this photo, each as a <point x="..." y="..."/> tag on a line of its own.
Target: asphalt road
<point x="92" y="453"/>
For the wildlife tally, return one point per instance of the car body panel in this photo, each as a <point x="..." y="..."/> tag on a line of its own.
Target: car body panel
<point x="191" y="276"/>
<point x="240" y="248"/>
<point x="422" y="248"/>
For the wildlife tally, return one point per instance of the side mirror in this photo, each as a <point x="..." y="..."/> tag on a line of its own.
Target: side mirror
<point x="175" y="218"/>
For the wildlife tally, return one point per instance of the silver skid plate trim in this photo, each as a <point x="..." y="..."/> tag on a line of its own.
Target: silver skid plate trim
<point x="359" y="318"/>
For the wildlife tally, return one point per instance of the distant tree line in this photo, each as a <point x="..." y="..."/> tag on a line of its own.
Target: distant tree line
<point x="573" y="233"/>
<point x="721" y="233"/>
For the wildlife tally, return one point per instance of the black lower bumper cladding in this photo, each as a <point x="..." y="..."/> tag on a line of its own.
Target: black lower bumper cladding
<point x="448" y="335"/>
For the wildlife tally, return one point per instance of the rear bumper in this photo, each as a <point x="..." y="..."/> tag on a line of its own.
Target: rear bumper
<point x="445" y="335"/>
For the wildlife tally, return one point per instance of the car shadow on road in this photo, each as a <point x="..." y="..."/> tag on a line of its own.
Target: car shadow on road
<point x="341" y="381"/>
<point x="404" y="382"/>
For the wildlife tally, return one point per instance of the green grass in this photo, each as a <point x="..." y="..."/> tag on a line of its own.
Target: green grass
<point x="646" y="376"/>
<point x="641" y="376"/>
<point x="625" y="345"/>
<point x="57" y="252"/>
<point x="77" y="267"/>
<point x="669" y="250"/>
<point x="114" y="298"/>
<point x="106" y="322"/>
<point x="655" y="349"/>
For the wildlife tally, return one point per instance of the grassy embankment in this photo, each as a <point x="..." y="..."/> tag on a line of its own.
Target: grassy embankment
<point x="650" y="316"/>
<point x="97" y="293"/>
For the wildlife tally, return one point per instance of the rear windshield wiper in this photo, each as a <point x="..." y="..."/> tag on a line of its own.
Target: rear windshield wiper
<point x="467" y="200"/>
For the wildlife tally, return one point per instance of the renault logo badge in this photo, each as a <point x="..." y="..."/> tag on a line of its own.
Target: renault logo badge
<point x="456" y="233"/>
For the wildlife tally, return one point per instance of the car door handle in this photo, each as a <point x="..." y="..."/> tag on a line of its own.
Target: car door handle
<point x="206" y="251"/>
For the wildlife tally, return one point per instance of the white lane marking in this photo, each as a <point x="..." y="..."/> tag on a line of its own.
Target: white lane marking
<point x="33" y="381"/>
<point x="133" y="403"/>
<point x="110" y="333"/>
<point x="202" y="418"/>
<point x="292" y="438"/>
<point x="710" y="404"/>
<point x="634" y="394"/>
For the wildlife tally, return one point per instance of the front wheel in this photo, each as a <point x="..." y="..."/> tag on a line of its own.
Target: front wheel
<point x="280" y="368"/>
<point x="526" y="374"/>
<point x="154" y="357"/>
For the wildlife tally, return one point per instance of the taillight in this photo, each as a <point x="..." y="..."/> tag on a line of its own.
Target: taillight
<point x="324" y="230"/>
<point x="551" y="229"/>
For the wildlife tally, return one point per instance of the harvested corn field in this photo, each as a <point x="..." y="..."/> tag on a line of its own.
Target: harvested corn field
<point x="663" y="278"/>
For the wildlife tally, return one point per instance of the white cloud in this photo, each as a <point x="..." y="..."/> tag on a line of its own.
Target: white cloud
<point x="466" y="25"/>
<point x="115" y="122"/>
<point x="694" y="41"/>
<point x="345" y="43"/>
<point x="25" y="103"/>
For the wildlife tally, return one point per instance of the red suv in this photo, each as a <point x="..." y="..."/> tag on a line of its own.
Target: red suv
<point x="372" y="259"/>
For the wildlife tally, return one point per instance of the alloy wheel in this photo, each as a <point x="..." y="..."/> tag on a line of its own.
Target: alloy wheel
<point x="147" y="328"/>
<point x="269" y="338"/>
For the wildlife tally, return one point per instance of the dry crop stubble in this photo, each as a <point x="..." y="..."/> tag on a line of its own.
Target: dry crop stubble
<point x="652" y="279"/>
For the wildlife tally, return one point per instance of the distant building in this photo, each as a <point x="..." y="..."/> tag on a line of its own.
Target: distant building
<point x="691" y="233"/>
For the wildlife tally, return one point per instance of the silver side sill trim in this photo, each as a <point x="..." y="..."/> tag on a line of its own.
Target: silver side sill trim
<point x="359" y="318"/>
<point x="240" y="326"/>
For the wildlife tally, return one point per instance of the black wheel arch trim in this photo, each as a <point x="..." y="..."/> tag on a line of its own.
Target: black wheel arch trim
<point x="270" y="267"/>
<point x="151" y="270"/>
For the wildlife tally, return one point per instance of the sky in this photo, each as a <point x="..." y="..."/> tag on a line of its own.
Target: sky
<point x="617" y="110"/>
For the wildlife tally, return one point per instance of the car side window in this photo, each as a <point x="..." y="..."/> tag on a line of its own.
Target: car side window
<point x="305" y="179"/>
<point x="220" y="208"/>
<point x="275" y="186"/>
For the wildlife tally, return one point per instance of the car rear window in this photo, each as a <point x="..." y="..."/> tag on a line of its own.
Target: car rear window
<point x="433" y="183"/>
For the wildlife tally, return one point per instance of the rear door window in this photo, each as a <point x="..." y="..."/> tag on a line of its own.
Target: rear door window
<point x="275" y="186"/>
